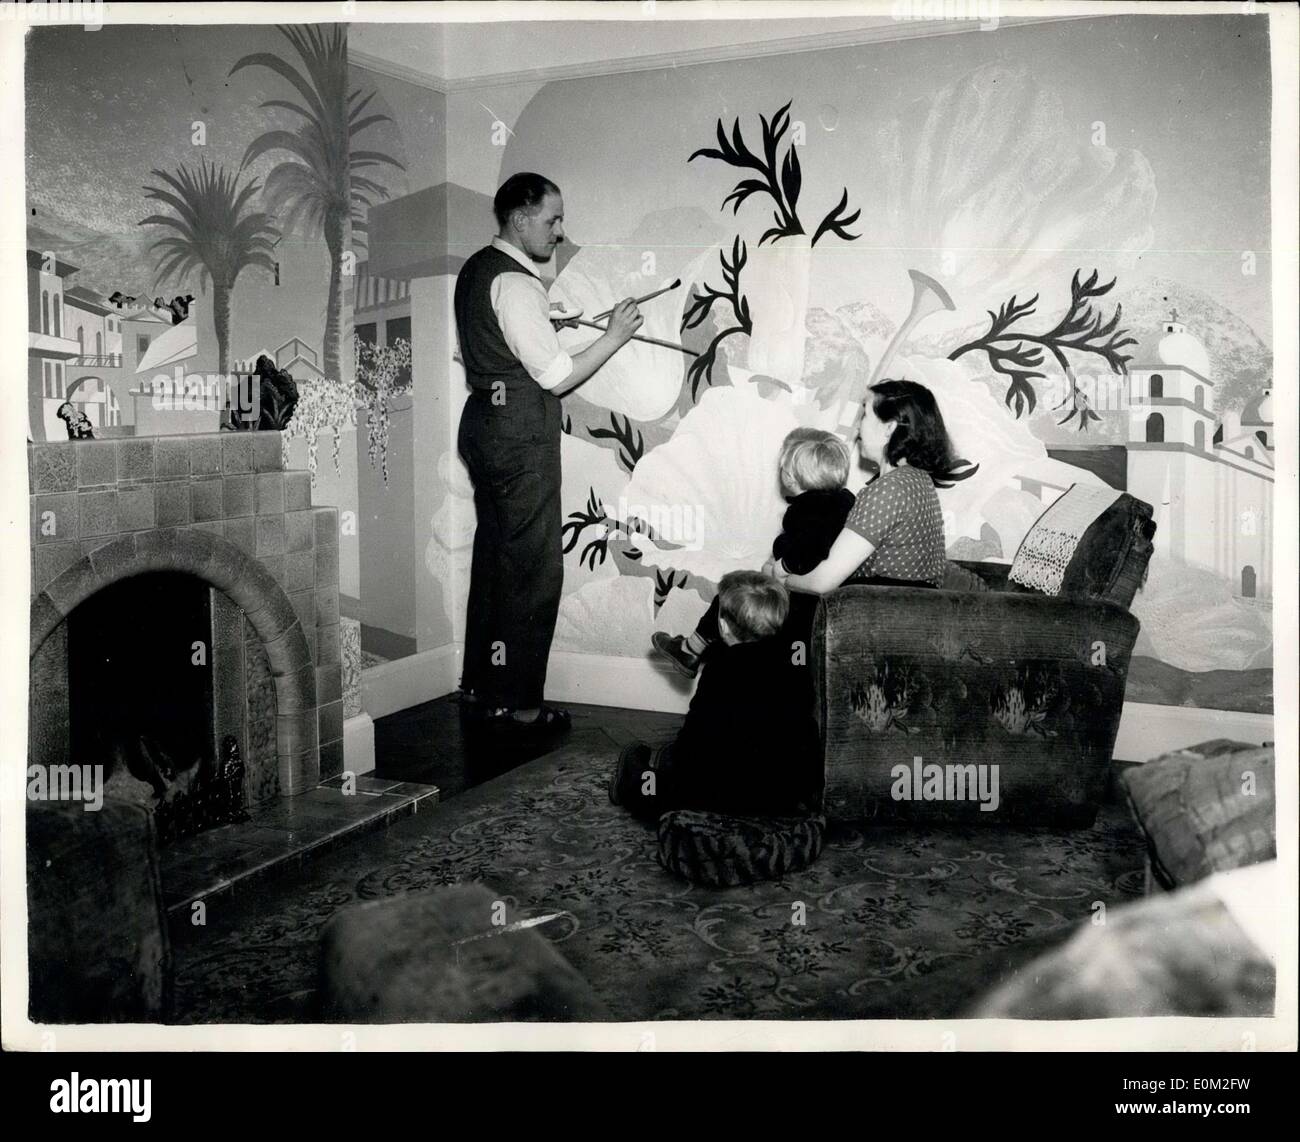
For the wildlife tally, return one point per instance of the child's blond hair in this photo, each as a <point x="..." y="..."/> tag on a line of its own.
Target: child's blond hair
<point x="813" y="460"/>
<point x="755" y="605"/>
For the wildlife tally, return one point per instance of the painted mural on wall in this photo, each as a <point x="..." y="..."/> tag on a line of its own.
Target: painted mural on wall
<point x="955" y="228"/>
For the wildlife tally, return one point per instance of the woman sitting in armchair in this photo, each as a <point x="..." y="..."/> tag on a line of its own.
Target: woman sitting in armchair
<point x="894" y="534"/>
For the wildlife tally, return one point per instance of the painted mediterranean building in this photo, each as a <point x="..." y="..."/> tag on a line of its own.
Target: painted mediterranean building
<point x="1208" y="475"/>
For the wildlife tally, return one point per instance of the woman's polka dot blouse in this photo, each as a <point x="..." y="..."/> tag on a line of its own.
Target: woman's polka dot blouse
<point x="899" y="514"/>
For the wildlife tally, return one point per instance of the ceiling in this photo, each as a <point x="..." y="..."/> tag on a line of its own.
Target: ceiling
<point x="451" y="56"/>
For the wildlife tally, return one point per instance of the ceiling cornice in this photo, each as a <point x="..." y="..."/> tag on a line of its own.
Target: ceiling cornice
<point x="790" y="45"/>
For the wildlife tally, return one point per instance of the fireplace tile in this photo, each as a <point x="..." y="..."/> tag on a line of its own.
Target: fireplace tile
<point x="270" y="535"/>
<point x="304" y="605"/>
<point x="270" y="492"/>
<point x="115" y="559"/>
<point x="284" y="649"/>
<point x="54" y="518"/>
<point x="297" y="491"/>
<point x="329" y="684"/>
<point x="227" y="621"/>
<point x="76" y="583"/>
<point x="310" y="636"/>
<point x="205" y="455"/>
<point x="331" y="759"/>
<point x="330" y="720"/>
<point x="327" y="526"/>
<point x="53" y="467"/>
<point x="135" y="459"/>
<point x="96" y="463"/>
<point x="45" y="616"/>
<point x="206" y="498"/>
<point x="299" y="772"/>
<point x="211" y="527"/>
<point x="171" y="457"/>
<point x="275" y="565"/>
<point x="327" y="566"/>
<point x="268" y="453"/>
<point x="299" y="569"/>
<point x="172" y="503"/>
<point x="98" y="512"/>
<point x="238" y="495"/>
<point x="295" y="733"/>
<point x="52" y="559"/>
<point x="300" y="531"/>
<point x="327" y="606"/>
<point x="240" y="533"/>
<point x="296" y="691"/>
<point x="135" y="509"/>
<point x="330" y="652"/>
<point x="236" y="453"/>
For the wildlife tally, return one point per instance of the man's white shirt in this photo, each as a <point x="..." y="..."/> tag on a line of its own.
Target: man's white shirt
<point x="523" y="309"/>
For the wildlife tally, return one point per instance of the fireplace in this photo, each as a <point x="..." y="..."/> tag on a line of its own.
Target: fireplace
<point x="185" y="584"/>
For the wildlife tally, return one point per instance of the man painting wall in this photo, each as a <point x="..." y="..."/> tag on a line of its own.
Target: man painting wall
<point x="510" y="440"/>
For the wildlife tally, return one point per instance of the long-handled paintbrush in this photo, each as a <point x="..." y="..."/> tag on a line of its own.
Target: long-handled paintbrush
<point x="639" y="300"/>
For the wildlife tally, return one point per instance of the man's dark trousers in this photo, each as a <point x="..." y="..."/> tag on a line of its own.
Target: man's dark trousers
<point x="510" y="441"/>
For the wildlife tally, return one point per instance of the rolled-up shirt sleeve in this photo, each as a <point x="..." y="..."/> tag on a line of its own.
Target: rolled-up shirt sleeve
<point x="523" y="312"/>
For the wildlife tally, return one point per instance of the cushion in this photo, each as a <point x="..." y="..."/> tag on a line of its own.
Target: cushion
<point x="959" y="578"/>
<point x="725" y="851"/>
<point x="438" y="957"/>
<point x="1206" y="809"/>
<point x="1111" y="558"/>
<point x="1185" y="953"/>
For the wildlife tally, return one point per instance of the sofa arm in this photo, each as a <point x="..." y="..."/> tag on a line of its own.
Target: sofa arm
<point x="1030" y="684"/>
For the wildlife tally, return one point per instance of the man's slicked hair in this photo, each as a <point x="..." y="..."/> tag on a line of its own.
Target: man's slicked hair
<point x="523" y="191"/>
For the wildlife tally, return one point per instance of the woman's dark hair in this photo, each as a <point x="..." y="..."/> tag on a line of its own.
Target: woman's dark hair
<point x="523" y="191"/>
<point x="920" y="437"/>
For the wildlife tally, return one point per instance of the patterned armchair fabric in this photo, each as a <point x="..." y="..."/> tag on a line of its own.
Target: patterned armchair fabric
<point x="979" y="702"/>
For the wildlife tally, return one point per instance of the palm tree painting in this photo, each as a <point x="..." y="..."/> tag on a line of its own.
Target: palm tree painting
<point x="320" y="186"/>
<point x="214" y="235"/>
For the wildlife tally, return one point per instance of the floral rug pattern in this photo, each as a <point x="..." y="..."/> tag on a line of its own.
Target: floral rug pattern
<point x="883" y="908"/>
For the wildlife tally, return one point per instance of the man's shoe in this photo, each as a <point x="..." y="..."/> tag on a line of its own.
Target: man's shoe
<point x="673" y="648"/>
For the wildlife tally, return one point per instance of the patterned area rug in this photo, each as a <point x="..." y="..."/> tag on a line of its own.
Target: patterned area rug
<point x="890" y="922"/>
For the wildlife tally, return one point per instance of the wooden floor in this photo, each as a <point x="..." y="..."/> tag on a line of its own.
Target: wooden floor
<point x="435" y="744"/>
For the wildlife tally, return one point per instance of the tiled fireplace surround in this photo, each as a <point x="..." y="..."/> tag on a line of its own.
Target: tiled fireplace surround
<point x="221" y="507"/>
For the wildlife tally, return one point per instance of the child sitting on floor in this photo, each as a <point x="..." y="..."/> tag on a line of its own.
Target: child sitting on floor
<point x="814" y="467"/>
<point x="749" y="744"/>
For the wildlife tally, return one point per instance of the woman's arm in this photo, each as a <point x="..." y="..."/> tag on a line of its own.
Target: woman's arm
<point x="847" y="554"/>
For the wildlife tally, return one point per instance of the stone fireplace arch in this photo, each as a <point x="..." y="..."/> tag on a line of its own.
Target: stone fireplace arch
<point x="249" y="585"/>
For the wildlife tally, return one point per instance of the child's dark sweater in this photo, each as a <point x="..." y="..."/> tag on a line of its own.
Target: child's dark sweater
<point x="749" y="744"/>
<point x="809" y="528"/>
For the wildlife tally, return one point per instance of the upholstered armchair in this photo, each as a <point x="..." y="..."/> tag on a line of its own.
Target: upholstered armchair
<point x="986" y="701"/>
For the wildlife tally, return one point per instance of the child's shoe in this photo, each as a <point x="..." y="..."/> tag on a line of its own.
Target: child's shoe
<point x="673" y="647"/>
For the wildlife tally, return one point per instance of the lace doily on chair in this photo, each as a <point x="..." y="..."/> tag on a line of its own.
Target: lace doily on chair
<point x="1050" y="544"/>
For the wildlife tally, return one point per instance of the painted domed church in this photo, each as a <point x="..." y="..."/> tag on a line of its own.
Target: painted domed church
<point x="1208" y="474"/>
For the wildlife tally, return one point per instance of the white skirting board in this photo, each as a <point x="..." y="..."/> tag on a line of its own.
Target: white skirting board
<point x="359" y="744"/>
<point x="406" y="682"/>
<point x="1145" y="730"/>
